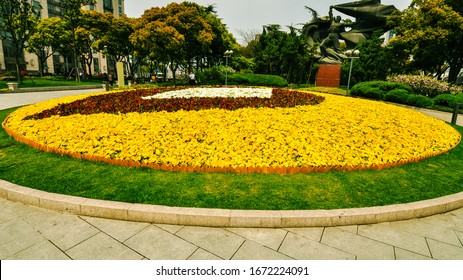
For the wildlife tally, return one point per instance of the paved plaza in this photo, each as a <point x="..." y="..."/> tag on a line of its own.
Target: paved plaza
<point x="28" y="232"/>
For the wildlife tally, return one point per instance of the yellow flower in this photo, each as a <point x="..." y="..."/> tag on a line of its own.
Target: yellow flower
<point x="341" y="132"/>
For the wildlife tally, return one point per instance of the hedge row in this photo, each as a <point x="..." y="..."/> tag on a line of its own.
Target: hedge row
<point x="257" y="80"/>
<point x="402" y="94"/>
<point x="216" y="76"/>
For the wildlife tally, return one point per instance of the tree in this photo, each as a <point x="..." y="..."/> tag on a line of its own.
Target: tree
<point x="182" y="35"/>
<point x="249" y="40"/>
<point x="374" y="62"/>
<point x="432" y="31"/>
<point x="283" y="53"/>
<point x="161" y="42"/>
<point x="222" y="41"/>
<point x="72" y="16"/>
<point x="118" y="44"/>
<point x="267" y="50"/>
<point x="110" y="35"/>
<point x="46" y="40"/>
<point x="18" y="21"/>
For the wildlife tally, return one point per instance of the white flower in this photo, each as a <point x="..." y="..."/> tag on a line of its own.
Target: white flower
<point x="214" y="92"/>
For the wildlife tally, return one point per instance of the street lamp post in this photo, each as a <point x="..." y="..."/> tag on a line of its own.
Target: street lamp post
<point x="227" y="54"/>
<point x="351" y="55"/>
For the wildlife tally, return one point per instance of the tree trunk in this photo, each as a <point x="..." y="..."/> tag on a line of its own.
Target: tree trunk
<point x="174" y="68"/>
<point x="76" y="63"/>
<point x="453" y="72"/>
<point x="18" y="69"/>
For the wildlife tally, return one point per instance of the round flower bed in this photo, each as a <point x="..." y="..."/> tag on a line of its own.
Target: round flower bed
<point x="232" y="130"/>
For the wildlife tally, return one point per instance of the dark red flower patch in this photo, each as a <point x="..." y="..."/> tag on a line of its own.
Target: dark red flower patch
<point x="131" y="101"/>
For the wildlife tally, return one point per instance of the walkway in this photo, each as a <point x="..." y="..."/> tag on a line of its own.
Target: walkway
<point x="27" y="232"/>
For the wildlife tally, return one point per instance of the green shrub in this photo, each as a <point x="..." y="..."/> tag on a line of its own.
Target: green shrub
<point x="446" y="100"/>
<point x="390" y="86"/>
<point x="8" y="76"/>
<point x="379" y="89"/>
<point x="359" y="90"/>
<point x="213" y="76"/>
<point x="375" y="93"/>
<point x="459" y="98"/>
<point x="216" y="76"/>
<point x="257" y="80"/>
<point x="369" y="90"/>
<point x="397" y="96"/>
<point x="54" y="78"/>
<point x="419" y="101"/>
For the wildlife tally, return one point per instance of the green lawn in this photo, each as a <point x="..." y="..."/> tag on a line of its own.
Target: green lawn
<point x="430" y="178"/>
<point x="31" y="82"/>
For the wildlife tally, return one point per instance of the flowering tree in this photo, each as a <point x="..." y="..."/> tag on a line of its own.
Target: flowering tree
<point x="432" y="31"/>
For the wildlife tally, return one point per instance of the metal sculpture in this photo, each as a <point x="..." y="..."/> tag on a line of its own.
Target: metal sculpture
<point x="325" y="33"/>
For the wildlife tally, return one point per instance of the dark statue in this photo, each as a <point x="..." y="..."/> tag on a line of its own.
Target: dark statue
<point x="326" y="32"/>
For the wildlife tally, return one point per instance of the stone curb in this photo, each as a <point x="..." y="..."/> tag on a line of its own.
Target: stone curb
<point x="57" y="88"/>
<point x="227" y="218"/>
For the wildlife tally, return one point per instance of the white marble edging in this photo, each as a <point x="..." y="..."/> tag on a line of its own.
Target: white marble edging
<point x="227" y="218"/>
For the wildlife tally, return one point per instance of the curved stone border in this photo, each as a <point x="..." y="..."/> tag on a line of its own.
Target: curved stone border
<point x="227" y="218"/>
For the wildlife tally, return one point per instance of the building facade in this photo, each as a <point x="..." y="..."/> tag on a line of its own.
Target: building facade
<point x="57" y="63"/>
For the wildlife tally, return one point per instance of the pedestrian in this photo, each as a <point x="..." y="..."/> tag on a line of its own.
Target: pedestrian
<point x="105" y="77"/>
<point x="111" y="79"/>
<point x="192" y="78"/>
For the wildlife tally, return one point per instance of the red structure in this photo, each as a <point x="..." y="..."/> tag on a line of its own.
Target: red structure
<point x="329" y="75"/>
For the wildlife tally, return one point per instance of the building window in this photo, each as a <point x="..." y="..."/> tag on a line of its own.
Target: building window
<point x="108" y="6"/>
<point x="37" y="8"/>
<point x="96" y="65"/>
<point x="54" y="10"/>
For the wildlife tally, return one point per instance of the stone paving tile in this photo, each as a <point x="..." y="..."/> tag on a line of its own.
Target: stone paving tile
<point x="460" y="237"/>
<point x="157" y="244"/>
<point x="404" y="255"/>
<point x="119" y="230"/>
<point x="384" y="233"/>
<point x="15" y="236"/>
<point x="457" y="212"/>
<point x="427" y="230"/>
<point x="302" y="248"/>
<point x="314" y="233"/>
<point x="453" y="217"/>
<point x="170" y="228"/>
<point x="443" y="221"/>
<point x="218" y="241"/>
<point x="44" y="250"/>
<point x="202" y="255"/>
<point x="254" y="251"/>
<point x="362" y="247"/>
<point x="271" y="238"/>
<point x="102" y="247"/>
<point x="444" y="251"/>
<point x="352" y="229"/>
<point x="65" y="231"/>
<point x="7" y="214"/>
<point x="26" y="211"/>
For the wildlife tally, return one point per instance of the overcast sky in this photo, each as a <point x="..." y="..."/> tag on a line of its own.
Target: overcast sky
<point x="246" y="15"/>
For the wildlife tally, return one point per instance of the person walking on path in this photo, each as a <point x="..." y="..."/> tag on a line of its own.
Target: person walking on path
<point x="111" y="79"/>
